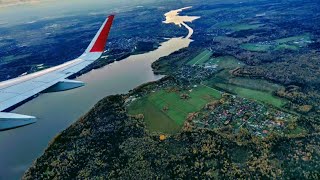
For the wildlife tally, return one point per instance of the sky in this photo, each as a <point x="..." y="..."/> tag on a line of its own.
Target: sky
<point x="33" y="10"/>
<point x="6" y="3"/>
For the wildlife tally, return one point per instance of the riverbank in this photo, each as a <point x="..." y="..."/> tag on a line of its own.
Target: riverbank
<point x="221" y="135"/>
<point x="108" y="143"/>
<point x="65" y="107"/>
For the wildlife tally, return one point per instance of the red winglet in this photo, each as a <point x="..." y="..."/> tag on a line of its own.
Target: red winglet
<point x="100" y="43"/>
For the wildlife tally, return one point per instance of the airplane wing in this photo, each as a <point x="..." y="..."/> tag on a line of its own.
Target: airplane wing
<point x="18" y="90"/>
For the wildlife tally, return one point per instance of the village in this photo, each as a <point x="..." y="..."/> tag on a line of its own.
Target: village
<point x="258" y="119"/>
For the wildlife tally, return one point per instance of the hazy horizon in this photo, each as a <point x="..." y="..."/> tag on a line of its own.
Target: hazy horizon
<point x="20" y="12"/>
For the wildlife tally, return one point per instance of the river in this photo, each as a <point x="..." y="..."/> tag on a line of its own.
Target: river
<point x="57" y="111"/>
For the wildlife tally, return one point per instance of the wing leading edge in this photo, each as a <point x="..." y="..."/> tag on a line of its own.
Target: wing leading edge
<point x="15" y="91"/>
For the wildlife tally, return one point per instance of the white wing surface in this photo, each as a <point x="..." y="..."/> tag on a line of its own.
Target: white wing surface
<point x="15" y="91"/>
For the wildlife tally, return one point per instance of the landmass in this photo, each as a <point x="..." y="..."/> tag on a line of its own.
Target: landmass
<point x="240" y="102"/>
<point x="48" y="46"/>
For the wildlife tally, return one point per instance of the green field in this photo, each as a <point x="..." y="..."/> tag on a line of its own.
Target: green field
<point x="239" y="27"/>
<point x="264" y="97"/>
<point x="201" y="58"/>
<point x="290" y="43"/>
<point x="157" y="119"/>
<point x="256" y="84"/>
<point x="256" y="47"/>
<point x="303" y="38"/>
<point x="226" y="62"/>
<point x="256" y="89"/>
<point x="286" y="46"/>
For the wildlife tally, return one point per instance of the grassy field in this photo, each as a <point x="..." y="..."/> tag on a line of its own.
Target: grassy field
<point x="256" y="47"/>
<point x="226" y="62"/>
<point x="158" y="119"/>
<point x="290" y="43"/>
<point x="241" y="27"/>
<point x="303" y="38"/>
<point x="238" y="27"/>
<point x="257" y="84"/>
<point x="259" y="90"/>
<point x="264" y="97"/>
<point x="286" y="46"/>
<point x="155" y="119"/>
<point x="201" y="58"/>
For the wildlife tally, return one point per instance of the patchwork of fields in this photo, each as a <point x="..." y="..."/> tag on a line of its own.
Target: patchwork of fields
<point x="166" y="111"/>
<point x="162" y="108"/>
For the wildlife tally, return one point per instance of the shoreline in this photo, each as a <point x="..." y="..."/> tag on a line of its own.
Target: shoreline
<point x="172" y="17"/>
<point x="93" y="77"/>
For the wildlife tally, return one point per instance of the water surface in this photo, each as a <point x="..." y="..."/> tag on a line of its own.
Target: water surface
<point x="57" y="111"/>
